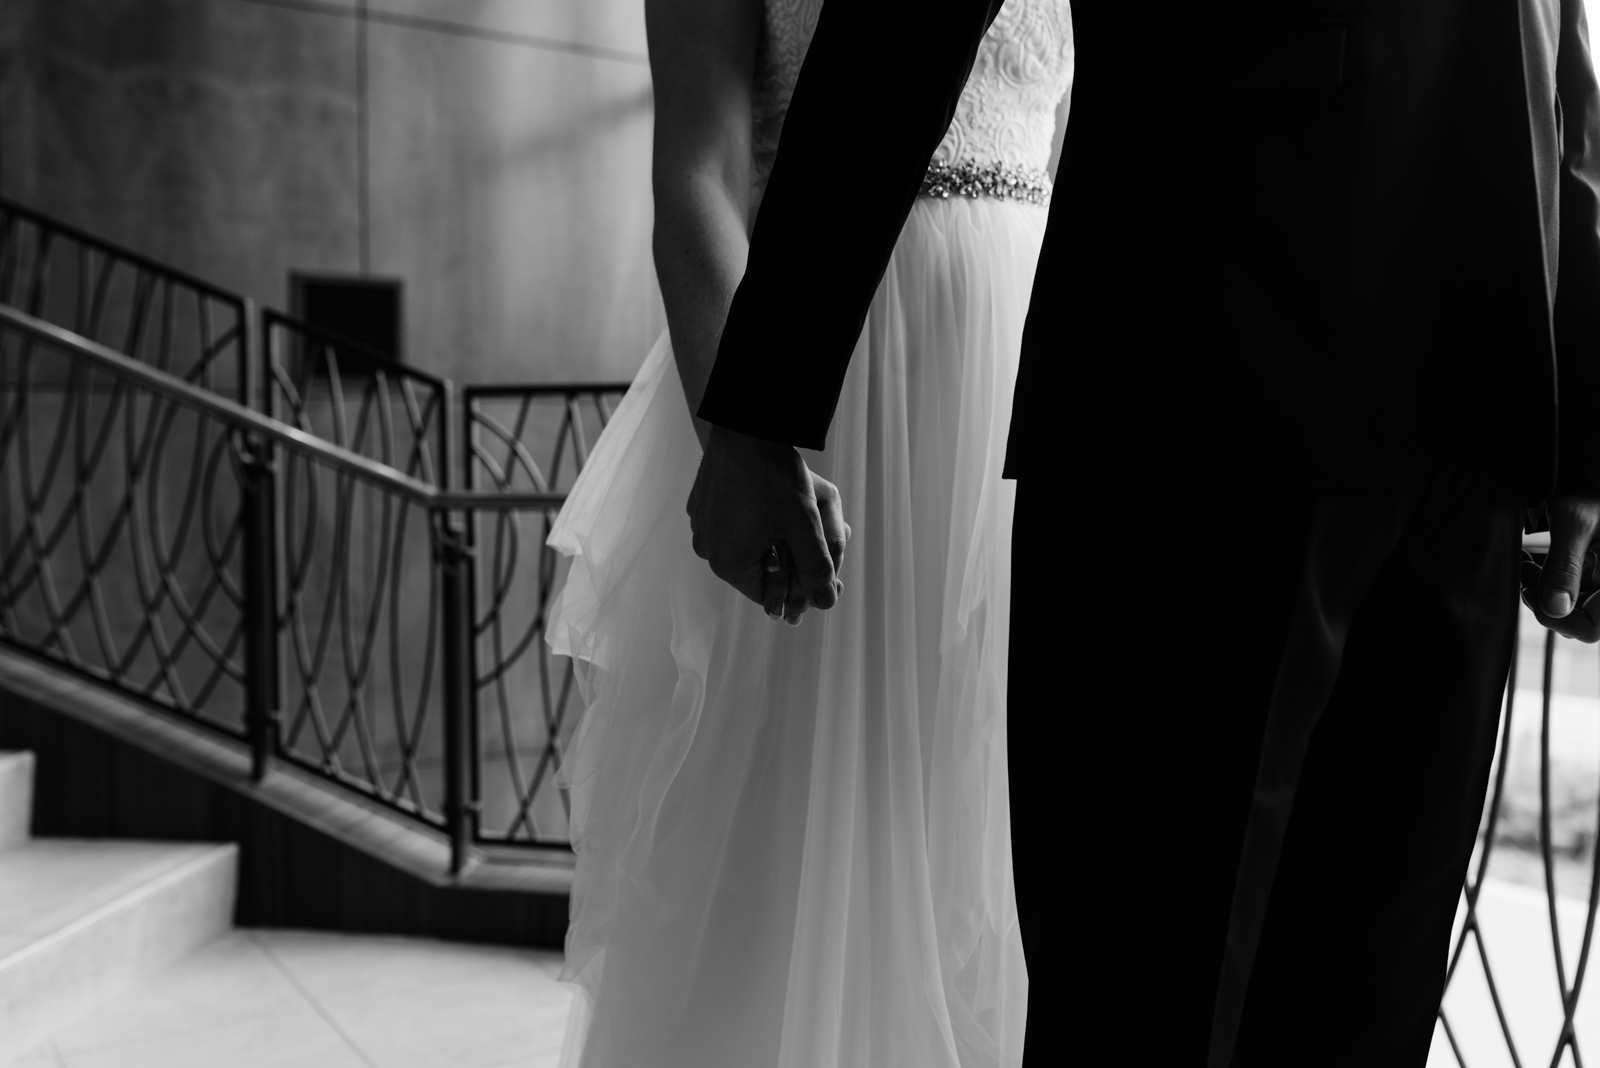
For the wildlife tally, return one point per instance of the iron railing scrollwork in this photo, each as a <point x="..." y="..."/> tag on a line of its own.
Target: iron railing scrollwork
<point x="308" y="603"/>
<point x="120" y="536"/>
<point x="337" y="585"/>
<point x="1502" y="998"/>
<point x="358" y="610"/>
<point x="508" y="428"/>
<point x="162" y="317"/>
<point x="298" y="569"/>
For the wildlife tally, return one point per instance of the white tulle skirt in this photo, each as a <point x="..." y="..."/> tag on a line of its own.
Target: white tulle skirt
<point x="794" y="843"/>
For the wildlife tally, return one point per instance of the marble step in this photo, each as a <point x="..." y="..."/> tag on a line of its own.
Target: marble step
<point x="83" y="920"/>
<point x="16" y="798"/>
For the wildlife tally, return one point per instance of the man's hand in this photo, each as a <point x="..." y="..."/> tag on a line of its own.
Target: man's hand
<point x="752" y="497"/>
<point x="1552" y="591"/>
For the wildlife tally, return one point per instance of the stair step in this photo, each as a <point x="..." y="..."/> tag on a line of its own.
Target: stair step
<point x="16" y="798"/>
<point x="82" y="920"/>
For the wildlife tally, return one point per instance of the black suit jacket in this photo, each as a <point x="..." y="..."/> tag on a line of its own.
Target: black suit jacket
<point x="1291" y="242"/>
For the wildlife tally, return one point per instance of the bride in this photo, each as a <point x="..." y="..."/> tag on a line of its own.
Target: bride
<point x="794" y="842"/>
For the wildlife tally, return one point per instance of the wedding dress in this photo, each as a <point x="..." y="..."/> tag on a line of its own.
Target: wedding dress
<point x="794" y="843"/>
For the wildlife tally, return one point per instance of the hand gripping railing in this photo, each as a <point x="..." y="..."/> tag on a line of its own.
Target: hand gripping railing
<point x="182" y="546"/>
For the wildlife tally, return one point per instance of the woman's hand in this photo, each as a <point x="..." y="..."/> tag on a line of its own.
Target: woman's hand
<point x="751" y="496"/>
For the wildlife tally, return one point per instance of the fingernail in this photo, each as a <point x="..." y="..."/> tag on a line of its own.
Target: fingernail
<point x="774" y="613"/>
<point x="1558" y="603"/>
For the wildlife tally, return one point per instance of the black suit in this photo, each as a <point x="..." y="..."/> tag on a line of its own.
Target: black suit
<point x="1300" y="278"/>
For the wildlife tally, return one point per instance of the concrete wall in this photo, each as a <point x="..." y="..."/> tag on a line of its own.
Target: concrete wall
<point x="506" y="175"/>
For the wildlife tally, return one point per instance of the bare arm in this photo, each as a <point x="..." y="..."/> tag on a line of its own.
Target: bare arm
<point x="812" y="270"/>
<point x="702" y="60"/>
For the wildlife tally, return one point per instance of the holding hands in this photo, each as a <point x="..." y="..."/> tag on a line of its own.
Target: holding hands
<point x="769" y="527"/>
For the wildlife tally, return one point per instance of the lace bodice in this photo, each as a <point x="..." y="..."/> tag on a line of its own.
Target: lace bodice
<point x="1006" y="114"/>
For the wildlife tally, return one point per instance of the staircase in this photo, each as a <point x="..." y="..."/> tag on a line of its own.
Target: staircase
<point x="257" y="588"/>
<point x="82" y="920"/>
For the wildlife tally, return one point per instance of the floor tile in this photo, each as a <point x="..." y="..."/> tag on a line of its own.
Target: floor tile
<point x="43" y="1057"/>
<point x="463" y="1025"/>
<point x="342" y="968"/>
<point x="229" y="982"/>
<point x="550" y="1060"/>
<point x="292" y="1042"/>
<point x="264" y="999"/>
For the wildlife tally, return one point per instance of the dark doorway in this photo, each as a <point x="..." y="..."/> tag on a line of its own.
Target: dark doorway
<point x="365" y="310"/>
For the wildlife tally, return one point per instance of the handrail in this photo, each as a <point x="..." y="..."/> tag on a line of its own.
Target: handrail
<point x="554" y="389"/>
<point x="315" y="581"/>
<point x="346" y="461"/>
<point x="136" y="306"/>
<point x="137" y="259"/>
<point x="174" y="388"/>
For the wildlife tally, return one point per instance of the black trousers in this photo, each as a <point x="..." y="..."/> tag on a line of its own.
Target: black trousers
<point x="1250" y="739"/>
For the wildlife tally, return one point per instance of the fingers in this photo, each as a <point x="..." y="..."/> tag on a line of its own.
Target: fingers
<point x="783" y="598"/>
<point x="835" y="531"/>
<point x="750" y="495"/>
<point x="775" y="593"/>
<point x="1581" y="624"/>
<point x="1572" y="528"/>
<point x="795" y="604"/>
<point x="824" y="587"/>
<point x="809" y="554"/>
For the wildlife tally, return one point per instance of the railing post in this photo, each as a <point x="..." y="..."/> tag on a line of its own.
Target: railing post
<point x="460" y="694"/>
<point x="260" y="605"/>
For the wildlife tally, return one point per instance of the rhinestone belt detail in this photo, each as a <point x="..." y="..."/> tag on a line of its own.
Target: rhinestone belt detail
<point x="967" y="179"/>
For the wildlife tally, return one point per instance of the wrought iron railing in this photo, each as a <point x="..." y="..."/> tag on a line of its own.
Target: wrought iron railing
<point x="361" y="698"/>
<point x="1516" y="976"/>
<point x="298" y="570"/>
<point x="508" y="428"/>
<point x="122" y="538"/>
<point x="281" y="596"/>
<point x="307" y="585"/>
<point x="134" y="305"/>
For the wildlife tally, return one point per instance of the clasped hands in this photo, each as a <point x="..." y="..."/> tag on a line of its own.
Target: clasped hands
<point x="1552" y="592"/>
<point x="768" y="525"/>
<point x="773" y="529"/>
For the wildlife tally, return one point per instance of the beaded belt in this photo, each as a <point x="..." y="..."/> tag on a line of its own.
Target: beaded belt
<point x="968" y="179"/>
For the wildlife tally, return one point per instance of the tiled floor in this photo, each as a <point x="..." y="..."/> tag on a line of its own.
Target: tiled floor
<point x="293" y="999"/>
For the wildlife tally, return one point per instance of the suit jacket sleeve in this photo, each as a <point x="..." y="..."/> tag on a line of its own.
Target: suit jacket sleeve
<point x="1577" y="307"/>
<point x="875" y="95"/>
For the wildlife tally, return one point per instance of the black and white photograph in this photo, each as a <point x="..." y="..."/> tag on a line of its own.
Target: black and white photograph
<point x="799" y="533"/>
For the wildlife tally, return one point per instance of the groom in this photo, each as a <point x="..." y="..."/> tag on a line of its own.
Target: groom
<point x="1316" y="328"/>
